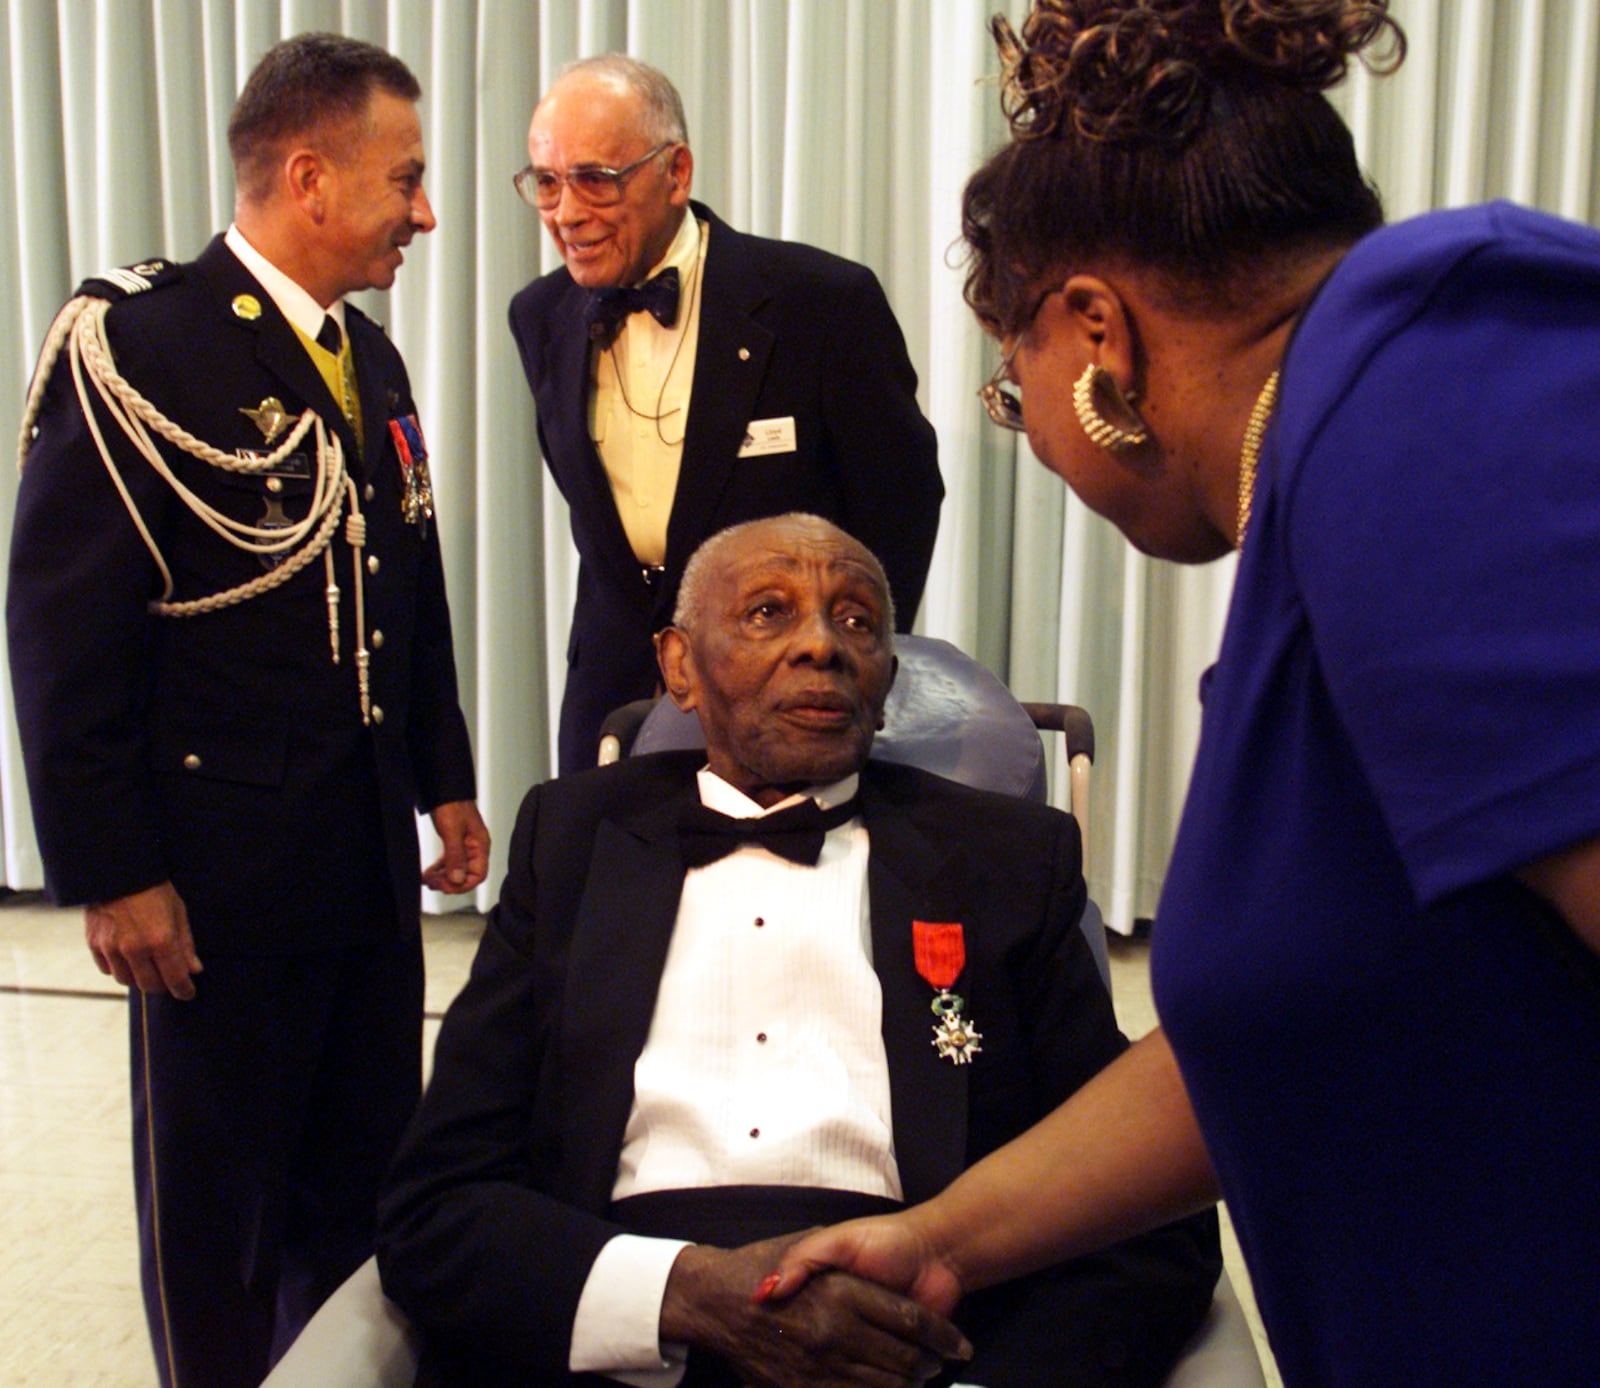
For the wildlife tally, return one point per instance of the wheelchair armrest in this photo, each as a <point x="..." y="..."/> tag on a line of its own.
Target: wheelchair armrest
<point x="620" y="728"/>
<point x="1069" y="719"/>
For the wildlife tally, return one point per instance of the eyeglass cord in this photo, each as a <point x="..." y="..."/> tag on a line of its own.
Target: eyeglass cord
<point x="684" y="316"/>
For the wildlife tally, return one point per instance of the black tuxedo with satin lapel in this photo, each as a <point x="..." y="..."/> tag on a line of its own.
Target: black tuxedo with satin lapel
<point x="785" y="330"/>
<point x="226" y="752"/>
<point x="499" y="1201"/>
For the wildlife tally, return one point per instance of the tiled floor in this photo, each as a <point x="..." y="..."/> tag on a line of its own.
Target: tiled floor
<point x="69" y="1299"/>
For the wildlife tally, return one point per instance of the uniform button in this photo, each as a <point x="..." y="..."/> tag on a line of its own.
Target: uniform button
<point x="760" y="921"/>
<point x="274" y="484"/>
<point x="377" y="639"/>
<point x="761" y="1037"/>
<point x="372" y="563"/>
<point x="369" y="493"/>
<point x="377" y="714"/>
<point x="192" y="762"/>
<point x="744" y="354"/>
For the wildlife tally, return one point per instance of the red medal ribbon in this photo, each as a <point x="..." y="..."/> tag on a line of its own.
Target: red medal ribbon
<point x="940" y="949"/>
<point x="401" y="446"/>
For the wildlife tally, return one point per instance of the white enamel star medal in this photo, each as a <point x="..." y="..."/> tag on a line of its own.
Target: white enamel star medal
<point x="956" y="1038"/>
<point x="940" y="950"/>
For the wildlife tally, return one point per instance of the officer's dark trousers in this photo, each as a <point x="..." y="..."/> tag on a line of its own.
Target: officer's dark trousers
<point x="265" y="1112"/>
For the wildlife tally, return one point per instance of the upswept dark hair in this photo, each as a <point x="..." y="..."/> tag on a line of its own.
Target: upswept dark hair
<point x="307" y="82"/>
<point x="1188" y="137"/>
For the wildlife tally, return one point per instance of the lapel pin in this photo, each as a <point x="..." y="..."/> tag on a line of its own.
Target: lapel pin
<point x="940" y="951"/>
<point x="247" y="307"/>
<point x="269" y="417"/>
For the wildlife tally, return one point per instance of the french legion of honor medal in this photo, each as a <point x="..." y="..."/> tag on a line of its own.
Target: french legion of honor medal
<point x="940" y="950"/>
<point x="416" y="500"/>
<point x="269" y="417"/>
<point x="247" y="307"/>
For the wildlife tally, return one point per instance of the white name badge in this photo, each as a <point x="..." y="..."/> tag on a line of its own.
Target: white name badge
<point x="763" y="436"/>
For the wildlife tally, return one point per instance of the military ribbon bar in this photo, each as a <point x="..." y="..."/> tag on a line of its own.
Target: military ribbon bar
<point x="416" y="499"/>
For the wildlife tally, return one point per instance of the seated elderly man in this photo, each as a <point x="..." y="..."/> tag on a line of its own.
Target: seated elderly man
<point x="730" y="995"/>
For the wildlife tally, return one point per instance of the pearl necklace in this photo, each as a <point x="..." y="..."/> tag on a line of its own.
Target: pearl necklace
<point x="1250" y="453"/>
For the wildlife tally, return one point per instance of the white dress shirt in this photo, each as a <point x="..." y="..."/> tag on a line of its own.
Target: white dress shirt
<point x="764" y="1065"/>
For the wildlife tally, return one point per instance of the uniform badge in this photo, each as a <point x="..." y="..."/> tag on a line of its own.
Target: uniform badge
<point x="273" y="516"/>
<point x="940" y="951"/>
<point x="247" y="307"/>
<point x="416" y="500"/>
<point x="269" y="417"/>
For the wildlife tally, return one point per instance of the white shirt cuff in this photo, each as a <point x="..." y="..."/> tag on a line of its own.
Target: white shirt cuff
<point x="617" y="1330"/>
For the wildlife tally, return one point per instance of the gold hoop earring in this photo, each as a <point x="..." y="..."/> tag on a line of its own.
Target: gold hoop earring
<point x="1101" y="430"/>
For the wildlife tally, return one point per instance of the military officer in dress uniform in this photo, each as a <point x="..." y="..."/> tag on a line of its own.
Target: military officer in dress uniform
<point x="232" y="662"/>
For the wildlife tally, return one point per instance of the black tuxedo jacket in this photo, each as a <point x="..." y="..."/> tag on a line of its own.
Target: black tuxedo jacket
<point x="785" y="330"/>
<point x="498" y="1204"/>
<point x="226" y="751"/>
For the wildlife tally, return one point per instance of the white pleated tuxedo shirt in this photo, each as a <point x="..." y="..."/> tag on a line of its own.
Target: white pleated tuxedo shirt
<point x="764" y="1064"/>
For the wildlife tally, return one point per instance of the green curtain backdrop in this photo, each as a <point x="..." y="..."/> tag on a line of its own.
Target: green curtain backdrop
<point x="850" y="124"/>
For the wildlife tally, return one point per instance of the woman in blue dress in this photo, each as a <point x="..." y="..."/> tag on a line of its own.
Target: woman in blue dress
<point x="1377" y="954"/>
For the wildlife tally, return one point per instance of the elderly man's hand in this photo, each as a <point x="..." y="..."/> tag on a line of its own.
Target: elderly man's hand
<point x="839" y="1330"/>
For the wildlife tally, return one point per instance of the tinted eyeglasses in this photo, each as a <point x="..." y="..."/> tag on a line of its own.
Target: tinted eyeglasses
<point x="599" y="187"/>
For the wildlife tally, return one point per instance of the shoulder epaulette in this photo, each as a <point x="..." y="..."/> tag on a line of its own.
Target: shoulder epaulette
<point x="131" y="280"/>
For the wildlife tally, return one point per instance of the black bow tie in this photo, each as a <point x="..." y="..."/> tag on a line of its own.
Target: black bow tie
<point x="607" y="308"/>
<point x="796" y="833"/>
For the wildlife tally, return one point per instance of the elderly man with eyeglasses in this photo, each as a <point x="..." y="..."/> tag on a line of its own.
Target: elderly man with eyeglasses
<point x="688" y="376"/>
